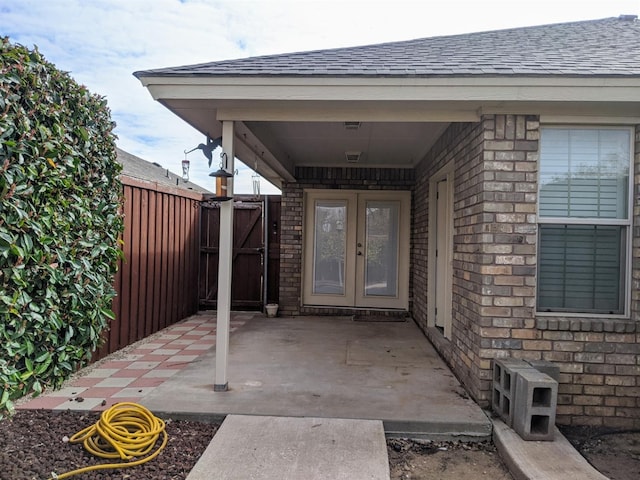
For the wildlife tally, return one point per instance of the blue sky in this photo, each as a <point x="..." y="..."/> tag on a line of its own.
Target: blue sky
<point x="102" y="42"/>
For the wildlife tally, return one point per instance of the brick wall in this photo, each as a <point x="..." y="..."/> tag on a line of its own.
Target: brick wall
<point x="461" y="143"/>
<point x="507" y="237"/>
<point x="292" y="218"/>
<point x="494" y="280"/>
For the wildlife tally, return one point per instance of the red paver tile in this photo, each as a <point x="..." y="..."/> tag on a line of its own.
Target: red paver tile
<point x="100" y="392"/>
<point x="130" y="373"/>
<point x="154" y="358"/>
<point x="44" y="403"/>
<point x="112" y="401"/>
<point x="147" y="382"/>
<point x="194" y="338"/>
<point x="81" y="406"/>
<point x="181" y="342"/>
<point x="86" y="381"/>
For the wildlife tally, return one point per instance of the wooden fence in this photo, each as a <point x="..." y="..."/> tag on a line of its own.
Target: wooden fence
<point x="157" y="281"/>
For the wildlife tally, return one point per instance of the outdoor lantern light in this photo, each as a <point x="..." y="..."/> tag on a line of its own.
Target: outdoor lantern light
<point x="222" y="177"/>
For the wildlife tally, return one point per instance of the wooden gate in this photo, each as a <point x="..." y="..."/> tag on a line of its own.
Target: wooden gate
<point x="248" y="277"/>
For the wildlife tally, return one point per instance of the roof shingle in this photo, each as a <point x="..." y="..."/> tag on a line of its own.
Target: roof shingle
<point x="607" y="47"/>
<point x="137" y="167"/>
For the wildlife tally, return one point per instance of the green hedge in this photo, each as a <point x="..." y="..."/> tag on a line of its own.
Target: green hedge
<point x="60" y="222"/>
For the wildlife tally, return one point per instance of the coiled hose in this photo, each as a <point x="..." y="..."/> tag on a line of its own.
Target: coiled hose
<point x="124" y="431"/>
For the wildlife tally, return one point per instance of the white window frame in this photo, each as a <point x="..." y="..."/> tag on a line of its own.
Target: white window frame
<point x="627" y="223"/>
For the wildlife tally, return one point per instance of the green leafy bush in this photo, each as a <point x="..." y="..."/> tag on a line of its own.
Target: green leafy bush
<point x="59" y="223"/>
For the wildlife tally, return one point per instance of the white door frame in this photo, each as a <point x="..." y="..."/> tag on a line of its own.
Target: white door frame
<point x="355" y="201"/>
<point x="440" y="253"/>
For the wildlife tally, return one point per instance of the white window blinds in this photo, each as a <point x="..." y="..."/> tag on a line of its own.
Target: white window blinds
<point x="580" y="268"/>
<point x="584" y="173"/>
<point x="584" y="219"/>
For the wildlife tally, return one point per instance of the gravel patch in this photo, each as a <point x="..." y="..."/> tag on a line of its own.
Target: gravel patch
<point x="32" y="446"/>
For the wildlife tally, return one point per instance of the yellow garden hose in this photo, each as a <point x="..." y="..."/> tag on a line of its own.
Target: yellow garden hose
<point x="124" y="431"/>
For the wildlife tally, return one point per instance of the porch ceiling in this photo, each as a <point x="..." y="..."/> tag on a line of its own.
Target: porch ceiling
<point x="377" y="144"/>
<point x="284" y="133"/>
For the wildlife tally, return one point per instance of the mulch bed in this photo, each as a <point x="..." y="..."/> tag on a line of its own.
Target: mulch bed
<point x="32" y="446"/>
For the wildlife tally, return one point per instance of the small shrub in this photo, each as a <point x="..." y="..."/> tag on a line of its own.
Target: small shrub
<point x="59" y="223"/>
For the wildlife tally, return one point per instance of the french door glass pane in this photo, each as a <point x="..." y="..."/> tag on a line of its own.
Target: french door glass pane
<point x="581" y="268"/>
<point x="584" y="173"/>
<point x="329" y="247"/>
<point x="381" y="249"/>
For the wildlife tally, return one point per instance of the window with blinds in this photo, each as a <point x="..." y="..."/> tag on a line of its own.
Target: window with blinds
<point x="584" y="219"/>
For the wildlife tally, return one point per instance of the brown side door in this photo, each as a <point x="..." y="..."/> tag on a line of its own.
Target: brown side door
<point x="248" y="256"/>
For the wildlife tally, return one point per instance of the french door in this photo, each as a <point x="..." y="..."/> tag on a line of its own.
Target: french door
<point x="357" y="249"/>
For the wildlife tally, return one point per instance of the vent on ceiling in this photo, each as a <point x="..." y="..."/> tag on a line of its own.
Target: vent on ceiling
<point x="352" y="125"/>
<point x="353" y="157"/>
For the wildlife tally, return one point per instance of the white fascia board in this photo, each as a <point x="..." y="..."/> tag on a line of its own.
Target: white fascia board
<point x="331" y="111"/>
<point x="561" y="89"/>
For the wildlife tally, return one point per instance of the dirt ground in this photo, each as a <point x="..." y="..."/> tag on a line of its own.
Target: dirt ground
<point x="423" y="460"/>
<point x="614" y="453"/>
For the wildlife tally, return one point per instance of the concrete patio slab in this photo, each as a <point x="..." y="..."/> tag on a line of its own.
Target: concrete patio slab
<point x="258" y="447"/>
<point x="329" y="367"/>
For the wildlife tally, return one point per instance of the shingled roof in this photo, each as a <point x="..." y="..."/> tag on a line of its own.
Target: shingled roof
<point x="607" y="47"/>
<point x="137" y="167"/>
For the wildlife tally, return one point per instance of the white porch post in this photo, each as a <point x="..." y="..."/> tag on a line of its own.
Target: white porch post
<point x="225" y="260"/>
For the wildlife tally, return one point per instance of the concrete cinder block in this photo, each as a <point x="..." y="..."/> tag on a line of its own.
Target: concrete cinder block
<point x="547" y="367"/>
<point x="536" y="400"/>
<point x="504" y="386"/>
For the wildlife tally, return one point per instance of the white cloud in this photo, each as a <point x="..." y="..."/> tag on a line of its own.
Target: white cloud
<point x="102" y="42"/>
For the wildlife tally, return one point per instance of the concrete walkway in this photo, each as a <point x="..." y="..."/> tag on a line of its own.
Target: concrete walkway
<point x="284" y="448"/>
